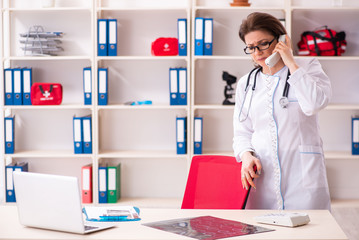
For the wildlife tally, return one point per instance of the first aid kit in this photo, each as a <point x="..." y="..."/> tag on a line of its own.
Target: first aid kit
<point x="165" y="47"/>
<point x="322" y="42"/>
<point x="46" y="94"/>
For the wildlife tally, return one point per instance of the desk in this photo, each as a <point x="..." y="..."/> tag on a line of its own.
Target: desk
<point x="322" y="226"/>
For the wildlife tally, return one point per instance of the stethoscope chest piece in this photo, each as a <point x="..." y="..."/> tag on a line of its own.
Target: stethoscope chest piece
<point x="283" y="101"/>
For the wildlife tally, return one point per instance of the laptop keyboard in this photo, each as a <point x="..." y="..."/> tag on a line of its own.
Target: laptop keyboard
<point x="87" y="227"/>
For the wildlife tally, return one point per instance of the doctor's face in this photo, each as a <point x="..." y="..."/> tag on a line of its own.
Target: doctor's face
<point x="260" y="45"/>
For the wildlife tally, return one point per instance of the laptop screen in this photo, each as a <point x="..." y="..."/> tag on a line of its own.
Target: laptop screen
<point x="49" y="201"/>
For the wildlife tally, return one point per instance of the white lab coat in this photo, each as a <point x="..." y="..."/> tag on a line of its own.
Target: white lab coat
<point x="286" y="140"/>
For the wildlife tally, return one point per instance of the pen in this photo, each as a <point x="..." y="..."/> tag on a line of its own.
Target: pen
<point x="113" y="218"/>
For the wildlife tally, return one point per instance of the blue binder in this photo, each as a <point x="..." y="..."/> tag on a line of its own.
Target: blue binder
<point x="181" y="135"/>
<point x="26" y="85"/>
<point x="182" y="86"/>
<point x="199" y="35"/>
<point x="87" y="134"/>
<point x="78" y="138"/>
<point x="9" y="131"/>
<point x="355" y="135"/>
<point x="102" y="86"/>
<point x="208" y="36"/>
<point x="102" y="37"/>
<point x="173" y="76"/>
<point x="198" y="135"/>
<point x="102" y="183"/>
<point x="17" y="86"/>
<point x="87" y="78"/>
<point x="182" y="36"/>
<point x="8" y="82"/>
<point x="10" y="192"/>
<point x="112" y="37"/>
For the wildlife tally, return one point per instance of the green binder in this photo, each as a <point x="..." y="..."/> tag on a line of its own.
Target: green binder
<point x="114" y="183"/>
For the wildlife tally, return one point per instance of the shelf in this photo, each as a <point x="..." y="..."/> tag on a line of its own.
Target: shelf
<point x="141" y="9"/>
<point x="229" y="8"/>
<point x="217" y="57"/>
<point x="149" y="58"/>
<point x="142" y="107"/>
<point x="342" y="107"/>
<point x="46" y="58"/>
<point x="333" y="58"/>
<point x="139" y="154"/>
<point x="51" y="9"/>
<point x="340" y="155"/>
<point x="48" y="154"/>
<point x="47" y="107"/>
<point x="345" y="203"/>
<point x="325" y="8"/>
<point x="213" y="107"/>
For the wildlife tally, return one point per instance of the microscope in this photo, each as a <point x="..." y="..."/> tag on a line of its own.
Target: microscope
<point x="228" y="89"/>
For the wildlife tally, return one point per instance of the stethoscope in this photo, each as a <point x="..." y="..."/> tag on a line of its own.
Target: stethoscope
<point x="283" y="101"/>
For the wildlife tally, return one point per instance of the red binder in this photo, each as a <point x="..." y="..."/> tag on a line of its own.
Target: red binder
<point x="86" y="183"/>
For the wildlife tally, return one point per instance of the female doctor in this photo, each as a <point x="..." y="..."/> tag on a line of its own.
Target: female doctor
<point x="276" y="124"/>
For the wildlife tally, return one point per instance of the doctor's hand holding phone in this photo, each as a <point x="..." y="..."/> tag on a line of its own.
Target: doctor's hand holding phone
<point x="282" y="51"/>
<point x="275" y="121"/>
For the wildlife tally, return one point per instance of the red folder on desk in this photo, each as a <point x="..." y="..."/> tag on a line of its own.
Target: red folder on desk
<point x="86" y="184"/>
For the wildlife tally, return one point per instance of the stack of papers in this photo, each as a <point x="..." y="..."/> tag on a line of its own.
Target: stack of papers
<point x="38" y="42"/>
<point x="111" y="213"/>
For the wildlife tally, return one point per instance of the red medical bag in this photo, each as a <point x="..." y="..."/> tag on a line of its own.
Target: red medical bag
<point x="165" y="47"/>
<point x="323" y="42"/>
<point x="46" y="94"/>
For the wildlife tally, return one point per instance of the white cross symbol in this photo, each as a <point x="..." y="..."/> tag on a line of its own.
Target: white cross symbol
<point x="46" y="94"/>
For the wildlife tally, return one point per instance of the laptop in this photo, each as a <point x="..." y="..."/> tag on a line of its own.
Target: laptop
<point x="52" y="202"/>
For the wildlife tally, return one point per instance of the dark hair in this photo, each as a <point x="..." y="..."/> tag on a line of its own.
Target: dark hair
<point x="262" y="22"/>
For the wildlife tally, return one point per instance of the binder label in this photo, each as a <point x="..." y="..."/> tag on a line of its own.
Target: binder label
<point x="85" y="179"/>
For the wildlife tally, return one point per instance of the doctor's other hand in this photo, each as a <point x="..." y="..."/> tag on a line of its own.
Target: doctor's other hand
<point x="247" y="171"/>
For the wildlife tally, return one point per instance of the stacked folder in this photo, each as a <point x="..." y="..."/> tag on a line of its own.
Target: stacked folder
<point x="197" y="135"/>
<point x="355" y="135"/>
<point x="107" y="37"/>
<point x="82" y="134"/>
<point x="109" y="183"/>
<point x="9" y="182"/>
<point x="17" y="86"/>
<point x="87" y="85"/>
<point x="86" y="183"/>
<point x="9" y="134"/>
<point x="182" y="36"/>
<point x="102" y="86"/>
<point x="181" y="135"/>
<point x="178" y="86"/>
<point x="203" y="36"/>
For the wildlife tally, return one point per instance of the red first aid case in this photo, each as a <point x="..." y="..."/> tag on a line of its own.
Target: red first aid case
<point x="165" y="47"/>
<point x="46" y="94"/>
<point x="323" y="42"/>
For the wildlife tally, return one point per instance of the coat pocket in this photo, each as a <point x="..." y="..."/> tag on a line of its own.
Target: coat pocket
<point x="313" y="167"/>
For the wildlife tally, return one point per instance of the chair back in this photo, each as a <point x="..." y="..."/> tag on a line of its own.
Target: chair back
<point x="214" y="182"/>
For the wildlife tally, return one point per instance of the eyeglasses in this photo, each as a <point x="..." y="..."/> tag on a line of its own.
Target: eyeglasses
<point x="262" y="46"/>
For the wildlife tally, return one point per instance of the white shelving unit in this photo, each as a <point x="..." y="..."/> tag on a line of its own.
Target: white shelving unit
<point x="143" y="138"/>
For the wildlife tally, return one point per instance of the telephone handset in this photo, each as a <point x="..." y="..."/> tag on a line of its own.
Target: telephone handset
<point x="274" y="58"/>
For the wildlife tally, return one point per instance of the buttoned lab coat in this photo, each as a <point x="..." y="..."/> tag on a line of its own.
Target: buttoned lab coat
<point x="286" y="140"/>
